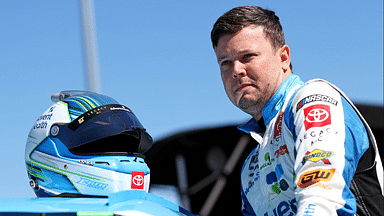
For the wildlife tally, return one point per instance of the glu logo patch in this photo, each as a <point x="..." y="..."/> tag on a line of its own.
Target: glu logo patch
<point x="312" y="177"/>
<point x="318" y="115"/>
<point x="137" y="180"/>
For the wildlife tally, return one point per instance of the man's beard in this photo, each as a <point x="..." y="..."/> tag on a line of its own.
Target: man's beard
<point x="250" y="106"/>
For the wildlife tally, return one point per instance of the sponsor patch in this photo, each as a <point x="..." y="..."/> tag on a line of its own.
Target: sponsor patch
<point x="274" y="178"/>
<point x="277" y="129"/>
<point x="137" y="180"/>
<point x="278" y="123"/>
<point x="284" y="208"/>
<point x="318" y="115"/>
<point x="317" y="155"/>
<point x="321" y="185"/>
<point x="314" y="98"/>
<point x="317" y="136"/>
<point x="310" y="210"/>
<point x="312" y="177"/>
<point x="281" y="151"/>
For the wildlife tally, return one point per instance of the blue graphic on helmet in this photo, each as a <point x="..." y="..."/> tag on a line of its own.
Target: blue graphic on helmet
<point x="85" y="101"/>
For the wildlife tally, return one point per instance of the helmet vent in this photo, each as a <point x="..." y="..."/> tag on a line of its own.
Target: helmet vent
<point x="102" y="163"/>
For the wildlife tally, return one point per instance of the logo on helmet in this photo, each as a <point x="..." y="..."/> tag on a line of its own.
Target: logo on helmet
<point x="81" y="120"/>
<point x="137" y="180"/>
<point x="92" y="184"/>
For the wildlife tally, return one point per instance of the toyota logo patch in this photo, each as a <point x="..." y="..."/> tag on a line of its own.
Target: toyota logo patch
<point x="317" y="115"/>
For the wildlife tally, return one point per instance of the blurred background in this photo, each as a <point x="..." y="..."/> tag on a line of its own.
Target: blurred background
<point x="156" y="58"/>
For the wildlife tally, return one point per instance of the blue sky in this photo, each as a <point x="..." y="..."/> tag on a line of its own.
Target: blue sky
<point x="156" y="58"/>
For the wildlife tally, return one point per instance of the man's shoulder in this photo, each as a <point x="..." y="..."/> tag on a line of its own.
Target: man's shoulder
<point x="315" y="90"/>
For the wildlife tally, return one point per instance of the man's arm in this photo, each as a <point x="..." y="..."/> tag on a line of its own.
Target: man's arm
<point x="330" y="140"/>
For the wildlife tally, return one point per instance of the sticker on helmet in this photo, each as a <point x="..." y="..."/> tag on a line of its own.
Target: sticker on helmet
<point x="137" y="180"/>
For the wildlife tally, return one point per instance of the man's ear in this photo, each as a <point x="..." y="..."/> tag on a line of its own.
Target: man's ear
<point x="285" y="56"/>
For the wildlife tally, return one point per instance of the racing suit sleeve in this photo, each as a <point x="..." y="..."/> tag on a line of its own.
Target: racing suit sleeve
<point x="329" y="141"/>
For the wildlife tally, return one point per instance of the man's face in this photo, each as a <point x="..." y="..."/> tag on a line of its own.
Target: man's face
<point x="250" y="69"/>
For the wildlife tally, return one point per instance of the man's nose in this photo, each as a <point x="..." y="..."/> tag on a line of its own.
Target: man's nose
<point x="238" y="69"/>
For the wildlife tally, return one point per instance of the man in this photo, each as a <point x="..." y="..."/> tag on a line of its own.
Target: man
<point x="316" y="155"/>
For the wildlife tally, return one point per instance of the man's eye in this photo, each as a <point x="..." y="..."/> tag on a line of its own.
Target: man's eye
<point x="224" y="63"/>
<point x="246" y="56"/>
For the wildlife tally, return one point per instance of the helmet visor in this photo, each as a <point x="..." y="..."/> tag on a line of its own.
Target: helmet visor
<point x="109" y="129"/>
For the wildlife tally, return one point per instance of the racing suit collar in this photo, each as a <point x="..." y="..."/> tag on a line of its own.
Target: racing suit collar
<point x="273" y="106"/>
<point x="251" y="125"/>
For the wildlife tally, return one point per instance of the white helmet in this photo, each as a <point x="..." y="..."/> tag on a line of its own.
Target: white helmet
<point x="86" y="144"/>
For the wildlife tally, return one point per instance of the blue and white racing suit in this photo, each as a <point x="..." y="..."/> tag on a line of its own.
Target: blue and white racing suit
<point x="307" y="160"/>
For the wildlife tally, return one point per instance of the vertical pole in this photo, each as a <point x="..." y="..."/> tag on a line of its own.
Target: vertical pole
<point x="89" y="44"/>
<point x="182" y="180"/>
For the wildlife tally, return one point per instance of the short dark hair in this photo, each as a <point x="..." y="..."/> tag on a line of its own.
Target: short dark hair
<point x="244" y="16"/>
